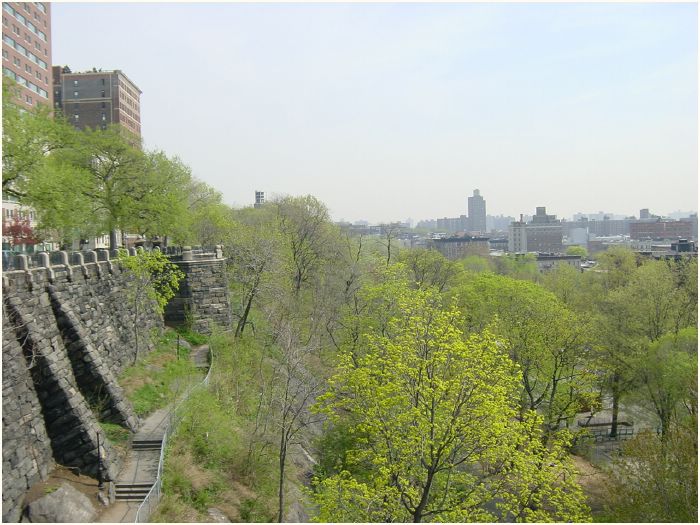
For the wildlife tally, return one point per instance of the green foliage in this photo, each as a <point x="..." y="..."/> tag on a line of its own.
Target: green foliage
<point x="191" y="337"/>
<point x="517" y="266"/>
<point x="160" y="377"/>
<point x="155" y="277"/>
<point x="669" y="373"/>
<point x="549" y="342"/>
<point x="115" y="433"/>
<point x="657" y="479"/>
<point x="211" y="448"/>
<point x="433" y="415"/>
<point x="577" y="250"/>
<point x="27" y="137"/>
<point x="477" y="264"/>
<point x="429" y="268"/>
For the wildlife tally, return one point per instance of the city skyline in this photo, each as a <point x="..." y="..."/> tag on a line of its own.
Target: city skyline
<point x="390" y="111"/>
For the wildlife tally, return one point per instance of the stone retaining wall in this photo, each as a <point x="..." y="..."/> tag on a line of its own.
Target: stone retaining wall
<point x="68" y="331"/>
<point x="202" y="300"/>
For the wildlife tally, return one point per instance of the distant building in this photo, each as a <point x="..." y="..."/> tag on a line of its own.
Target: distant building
<point x="542" y="234"/>
<point x="26" y="50"/>
<point x="453" y="224"/>
<point x="95" y="99"/>
<point x="546" y="262"/>
<point x="498" y="223"/>
<point x="259" y="199"/>
<point x="457" y="247"/>
<point x="661" y="229"/>
<point x="476" y="207"/>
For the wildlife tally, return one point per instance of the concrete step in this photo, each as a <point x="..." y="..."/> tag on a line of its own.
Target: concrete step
<point x="132" y="491"/>
<point x="147" y="444"/>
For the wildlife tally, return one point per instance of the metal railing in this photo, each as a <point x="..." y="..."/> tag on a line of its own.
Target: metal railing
<point x="152" y="499"/>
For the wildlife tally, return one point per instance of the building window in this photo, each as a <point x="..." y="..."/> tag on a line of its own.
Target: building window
<point x="75" y="82"/>
<point x="104" y="117"/>
<point x="103" y="81"/>
<point x="16" y="61"/>
<point x="103" y="92"/>
<point x="4" y="21"/>
<point x="28" y="99"/>
<point x="5" y="54"/>
<point x="75" y="93"/>
<point x="76" y="117"/>
<point x="104" y="105"/>
<point x="28" y="68"/>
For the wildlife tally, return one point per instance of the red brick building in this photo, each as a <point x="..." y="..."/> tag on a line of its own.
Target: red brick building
<point x="26" y="50"/>
<point x="94" y="99"/>
<point x="661" y="229"/>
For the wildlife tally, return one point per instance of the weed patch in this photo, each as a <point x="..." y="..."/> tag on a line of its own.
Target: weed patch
<point x="160" y="377"/>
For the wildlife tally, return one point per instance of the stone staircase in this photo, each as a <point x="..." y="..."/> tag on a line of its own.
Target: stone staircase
<point x="137" y="489"/>
<point x="147" y="444"/>
<point x="132" y="491"/>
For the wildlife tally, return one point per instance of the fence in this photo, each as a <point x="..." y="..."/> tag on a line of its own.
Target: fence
<point x="152" y="499"/>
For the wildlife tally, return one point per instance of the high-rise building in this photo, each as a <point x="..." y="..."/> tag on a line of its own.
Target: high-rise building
<point x="26" y="50"/>
<point x="476" y="207"/>
<point x="543" y="234"/>
<point x="259" y="199"/>
<point x="95" y="99"/>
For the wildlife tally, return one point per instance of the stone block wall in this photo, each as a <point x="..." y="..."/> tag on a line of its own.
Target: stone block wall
<point x="203" y="298"/>
<point x="68" y="330"/>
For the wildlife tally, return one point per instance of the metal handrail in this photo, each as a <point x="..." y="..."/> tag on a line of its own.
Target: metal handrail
<point x="153" y="497"/>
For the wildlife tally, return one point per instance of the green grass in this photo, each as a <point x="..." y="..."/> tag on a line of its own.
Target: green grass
<point x="159" y="377"/>
<point x="209" y="462"/>
<point x="115" y="433"/>
<point x="192" y="337"/>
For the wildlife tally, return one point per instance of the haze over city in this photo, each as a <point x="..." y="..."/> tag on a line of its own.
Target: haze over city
<point x="389" y="111"/>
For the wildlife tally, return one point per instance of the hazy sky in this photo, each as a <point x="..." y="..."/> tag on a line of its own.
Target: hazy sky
<point x="389" y="111"/>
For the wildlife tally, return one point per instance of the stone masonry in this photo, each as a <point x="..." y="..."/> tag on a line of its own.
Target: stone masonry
<point x="68" y="330"/>
<point x="202" y="299"/>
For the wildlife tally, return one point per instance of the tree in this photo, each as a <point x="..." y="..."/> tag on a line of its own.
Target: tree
<point x="19" y="231"/>
<point x="28" y="136"/>
<point x="669" y="372"/>
<point x="577" y="250"/>
<point x="253" y="254"/>
<point x="429" y="268"/>
<point x="154" y="282"/>
<point x="160" y="207"/>
<point x="656" y="480"/>
<point x="210" y="220"/>
<point x="296" y="389"/>
<point x="303" y="223"/>
<point x="436" y="438"/>
<point x="549" y="342"/>
<point x="389" y="234"/>
<point x="103" y="183"/>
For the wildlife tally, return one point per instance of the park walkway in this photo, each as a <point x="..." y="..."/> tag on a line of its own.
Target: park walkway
<point x="140" y="467"/>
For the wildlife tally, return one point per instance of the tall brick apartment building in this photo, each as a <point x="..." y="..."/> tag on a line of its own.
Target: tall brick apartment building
<point x="94" y="99"/>
<point x="26" y="50"/>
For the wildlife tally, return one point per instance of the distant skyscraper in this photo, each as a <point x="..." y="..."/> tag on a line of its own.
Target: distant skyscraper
<point x="259" y="198"/>
<point x="26" y="50"/>
<point x="476" y="206"/>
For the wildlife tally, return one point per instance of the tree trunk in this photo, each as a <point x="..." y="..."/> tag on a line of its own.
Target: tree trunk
<point x="244" y="318"/>
<point x="418" y="513"/>
<point x="113" y="239"/>
<point x="616" y="404"/>
<point x="283" y="460"/>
